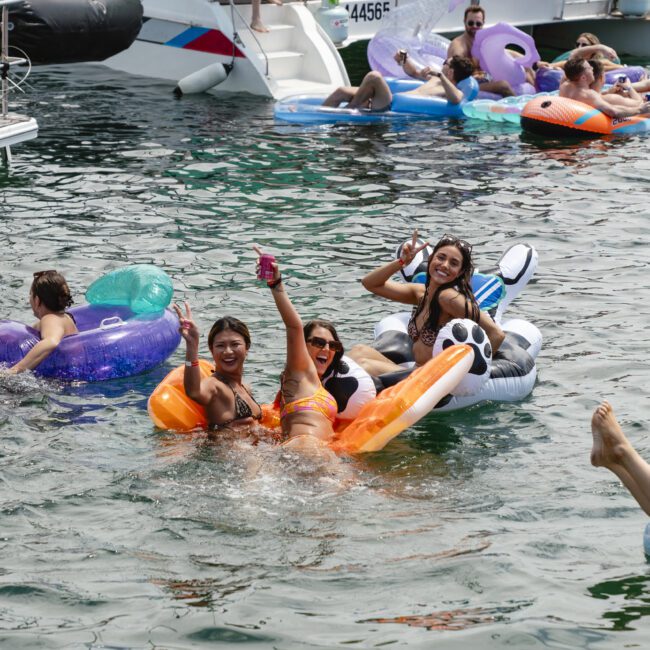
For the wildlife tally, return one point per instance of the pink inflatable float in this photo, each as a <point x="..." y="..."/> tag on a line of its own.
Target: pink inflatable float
<point x="490" y="49"/>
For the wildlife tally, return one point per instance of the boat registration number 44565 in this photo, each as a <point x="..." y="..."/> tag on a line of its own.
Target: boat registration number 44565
<point x="367" y="12"/>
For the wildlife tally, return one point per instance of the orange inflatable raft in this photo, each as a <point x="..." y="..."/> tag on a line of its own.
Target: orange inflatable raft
<point x="561" y="117"/>
<point x="379" y="421"/>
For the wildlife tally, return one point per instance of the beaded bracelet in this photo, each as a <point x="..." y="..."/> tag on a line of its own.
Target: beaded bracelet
<point x="275" y="283"/>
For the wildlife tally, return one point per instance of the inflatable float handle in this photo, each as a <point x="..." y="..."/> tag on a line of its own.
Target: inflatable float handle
<point x="110" y="323"/>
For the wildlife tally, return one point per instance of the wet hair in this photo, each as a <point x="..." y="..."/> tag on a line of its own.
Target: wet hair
<point x="462" y="67"/>
<point x="229" y="323"/>
<point x="52" y="290"/>
<point x="462" y="284"/>
<point x="574" y="67"/>
<point x="474" y="9"/>
<point x="309" y="327"/>
<point x="597" y="67"/>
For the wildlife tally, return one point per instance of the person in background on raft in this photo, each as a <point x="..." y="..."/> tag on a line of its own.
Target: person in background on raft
<point x="588" y="47"/>
<point x="462" y="45"/>
<point x="228" y="402"/>
<point x="446" y="295"/>
<point x="256" y="19"/>
<point x="49" y="296"/>
<point x="578" y="86"/>
<point x="611" y="449"/>
<point x="622" y="93"/>
<point x="375" y="95"/>
<point x="307" y="410"/>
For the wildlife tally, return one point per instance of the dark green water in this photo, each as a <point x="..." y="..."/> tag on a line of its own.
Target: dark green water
<point x="486" y="528"/>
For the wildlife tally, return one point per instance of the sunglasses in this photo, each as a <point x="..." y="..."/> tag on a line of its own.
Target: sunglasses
<point x="474" y="23"/>
<point x="40" y="274"/>
<point x="321" y="344"/>
<point x="454" y="241"/>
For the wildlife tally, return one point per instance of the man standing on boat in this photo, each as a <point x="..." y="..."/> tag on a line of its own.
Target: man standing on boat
<point x="375" y="95"/>
<point x="462" y="45"/>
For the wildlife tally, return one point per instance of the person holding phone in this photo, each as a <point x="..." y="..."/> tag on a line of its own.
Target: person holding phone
<point x="578" y="85"/>
<point x="447" y="294"/>
<point x="621" y="94"/>
<point x="306" y="408"/>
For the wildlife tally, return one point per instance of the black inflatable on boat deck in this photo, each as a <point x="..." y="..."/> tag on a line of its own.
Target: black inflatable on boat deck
<point x="73" y="31"/>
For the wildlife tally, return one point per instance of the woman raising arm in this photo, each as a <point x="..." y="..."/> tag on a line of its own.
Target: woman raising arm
<point x="446" y="295"/>
<point x="306" y="408"/>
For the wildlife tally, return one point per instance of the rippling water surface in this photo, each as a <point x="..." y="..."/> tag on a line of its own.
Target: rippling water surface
<point x="486" y="528"/>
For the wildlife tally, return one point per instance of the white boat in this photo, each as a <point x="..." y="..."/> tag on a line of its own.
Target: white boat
<point x="14" y="127"/>
<point x="208" y="45"/>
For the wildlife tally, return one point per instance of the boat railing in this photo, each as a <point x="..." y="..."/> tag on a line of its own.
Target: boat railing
<point x="5" y="60"/>
<point x="236" y="38"/>
<point x="599" y="6"/>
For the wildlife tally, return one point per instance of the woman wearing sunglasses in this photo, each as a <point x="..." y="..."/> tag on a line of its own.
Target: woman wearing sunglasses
<point x="306" y="408"/>
<point x="587" y="46"/>
<point x="446" y="295"/>
<point x="49" y="296"/>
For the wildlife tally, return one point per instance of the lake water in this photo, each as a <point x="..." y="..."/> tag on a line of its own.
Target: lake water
<point x="486" y="528"/>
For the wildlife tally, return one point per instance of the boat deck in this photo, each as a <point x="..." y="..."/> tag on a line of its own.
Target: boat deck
<point x="15" y="128"/>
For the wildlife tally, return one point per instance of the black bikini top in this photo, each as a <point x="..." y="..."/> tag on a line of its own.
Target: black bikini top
<point x="243" y="411"/>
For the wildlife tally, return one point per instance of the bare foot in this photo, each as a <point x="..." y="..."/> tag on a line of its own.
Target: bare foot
<point x="259" y="26"/>
<point x="609" y="440"/>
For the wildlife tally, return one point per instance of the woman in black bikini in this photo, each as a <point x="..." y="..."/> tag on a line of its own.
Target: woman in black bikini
<point x="228" y="402"/>
<point x="446" y="295"/>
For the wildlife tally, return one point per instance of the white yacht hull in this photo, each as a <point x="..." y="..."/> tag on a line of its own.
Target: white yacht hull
<point x="296" y="57"/>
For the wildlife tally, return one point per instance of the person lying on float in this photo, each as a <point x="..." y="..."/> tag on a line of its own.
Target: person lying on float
<point x="374" y="94"/>
<point x="590" y="48"/>
<point x="49" y="296"/>
<point x="578" y="86"/>
<point x="621" y="94"/>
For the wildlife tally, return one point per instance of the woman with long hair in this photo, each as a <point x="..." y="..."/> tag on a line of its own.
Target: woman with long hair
<point x="447" y="294"/>
<point x="306" y="408"/>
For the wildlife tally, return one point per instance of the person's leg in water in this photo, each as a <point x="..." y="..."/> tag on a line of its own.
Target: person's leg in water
<point x="611" y="449"/>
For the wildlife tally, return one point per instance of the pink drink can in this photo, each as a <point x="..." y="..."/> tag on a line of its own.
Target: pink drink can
<point x="265" y="271"/>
